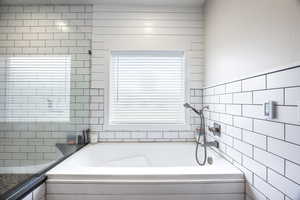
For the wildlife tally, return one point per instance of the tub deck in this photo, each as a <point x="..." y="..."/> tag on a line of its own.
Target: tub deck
<point x="124" y="171"/>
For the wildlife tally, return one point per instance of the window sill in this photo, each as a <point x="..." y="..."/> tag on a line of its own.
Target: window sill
<point x="147" y="127"/>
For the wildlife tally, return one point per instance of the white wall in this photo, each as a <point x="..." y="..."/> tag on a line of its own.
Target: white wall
<point x="249" y="37"/>
<point x="143" y="28"/>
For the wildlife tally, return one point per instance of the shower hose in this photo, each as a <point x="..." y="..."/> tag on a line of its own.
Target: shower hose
<point x="201" y="132"/>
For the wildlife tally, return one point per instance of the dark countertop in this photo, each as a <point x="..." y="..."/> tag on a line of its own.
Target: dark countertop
<point x="8" y="181"/>
<point x="17" y="186"/>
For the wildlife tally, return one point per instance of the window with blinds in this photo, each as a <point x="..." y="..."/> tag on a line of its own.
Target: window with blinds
<point x="37" y="88"/>
<point x="147" y="87"/>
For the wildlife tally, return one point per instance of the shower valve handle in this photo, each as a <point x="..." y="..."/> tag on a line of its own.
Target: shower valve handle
<point x="216" y="129"/>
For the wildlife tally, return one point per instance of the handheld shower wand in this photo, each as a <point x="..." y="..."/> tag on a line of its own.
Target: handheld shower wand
<point x="202" y="127"/>
<point x="199" y="112"/>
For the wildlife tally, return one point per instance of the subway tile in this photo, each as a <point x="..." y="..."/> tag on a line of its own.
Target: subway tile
<point x="220" y="89"/>
<point x="215" y="99"/>
<point x="255" y="139"/>
<point x="292" y="134"/>
<point x="31" y="9"/>
<point x="260" y="97"/>
<point x="253" y="194"/>
<point x="286" y="186"/>
<point x="77" y="8"/>
<point x="122" y="135"/>
<point x="170" y="134"/>
<point x="236" y="155"/>
<point x="286" y="78"/>
<point x="287" y="114"/>
<point x="247" y="173"/>
<point x="46" y="8"/>
<point x="234" y="87"/>
<point x="60" y="36"/>
<point x="54" y="15"/>
<point x="30" y="36"/>
<point x="18" y="9"/>
<point x="242" y="98"/>
<point x="256" y="83"/>
<point x="255" y="167"/>
<point x="23" y="15"/>
<point x="193" y="99"/>
<point x="234" y="132"/>
<point x="267" y="189"/>
<point x="19" y="156"/>
<point x="292" y="171"/>
<point x="186" y="134"/>
<point x="35" y="156"/>
<point x="253" y="111"/>
<point x="268" y="128"/>
<point x="269" y="160"/>
<point x="220" y="108"/>
<point x="226" y="139"/>
<point x="214" y="116"/>
<point x="138" y="135"/>
<point x="226" y="98"/>
<point x="292" y="96"/>
<point x="243" y="147"/>
<point x="243" y="122"/>
<point x="154" y="134"/>
<point x="284" y="149"/>
<point x="209" y="91"/>
<point x="23" y="43"/>
<point x="227" y="119"/>
<point x="62" y="8"/>
<point x="234" y="109"/>
<point x="16" y="36"/>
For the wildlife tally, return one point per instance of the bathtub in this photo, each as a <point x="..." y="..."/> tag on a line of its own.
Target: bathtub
<point x="143" y="171"/>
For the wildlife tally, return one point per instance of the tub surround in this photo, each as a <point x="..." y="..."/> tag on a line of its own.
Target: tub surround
<point x="263" y="149"/>
<point x="143" y="170"/>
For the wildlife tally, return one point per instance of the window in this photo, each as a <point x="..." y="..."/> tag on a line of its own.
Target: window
<point x="37" y="88"/>
<point x="147" y="88"/>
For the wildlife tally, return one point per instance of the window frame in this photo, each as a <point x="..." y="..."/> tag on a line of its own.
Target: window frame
<point x="143" y="127"/>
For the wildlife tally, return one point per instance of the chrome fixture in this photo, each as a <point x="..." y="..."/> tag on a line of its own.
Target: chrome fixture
<point x="211" y="144"/>
<point x="202" y="132"/>
<point x="199" y="112"/>
<point x="216" y="129"/>
<point x="210" y="160"/>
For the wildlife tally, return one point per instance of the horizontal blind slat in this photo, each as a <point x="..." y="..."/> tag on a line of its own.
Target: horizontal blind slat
<point x="28" y="79"/>
<point x="147" y="87"/>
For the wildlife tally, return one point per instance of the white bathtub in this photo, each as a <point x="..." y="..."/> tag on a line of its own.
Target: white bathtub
<point x="143" y="171"/>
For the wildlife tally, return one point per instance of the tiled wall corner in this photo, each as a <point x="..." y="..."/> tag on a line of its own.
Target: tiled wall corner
<point x="265" y="150"/>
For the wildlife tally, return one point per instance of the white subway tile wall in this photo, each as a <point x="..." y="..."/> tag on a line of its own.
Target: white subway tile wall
<point x="46" y="30"/>
<point x="267" y="151"/>
<point x="142" y="29"/>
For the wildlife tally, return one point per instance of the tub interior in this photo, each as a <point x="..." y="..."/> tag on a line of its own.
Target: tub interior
<point x="141" y="159"/>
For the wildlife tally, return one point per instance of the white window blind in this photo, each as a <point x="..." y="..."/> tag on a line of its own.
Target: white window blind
<point x="37" y="88"/>
<point x="147" y="87"/>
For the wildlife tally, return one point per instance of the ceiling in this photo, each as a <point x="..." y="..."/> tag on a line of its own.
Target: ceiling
<point x="180" y="3"/>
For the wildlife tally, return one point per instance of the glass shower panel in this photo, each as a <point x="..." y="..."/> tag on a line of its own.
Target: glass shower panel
<point x="37" y="114"/>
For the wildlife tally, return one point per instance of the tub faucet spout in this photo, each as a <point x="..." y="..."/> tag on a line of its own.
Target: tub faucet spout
<point x="211" y="144"/>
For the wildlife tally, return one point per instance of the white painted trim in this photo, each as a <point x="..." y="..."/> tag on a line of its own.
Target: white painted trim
<point x="146" y="127"/>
